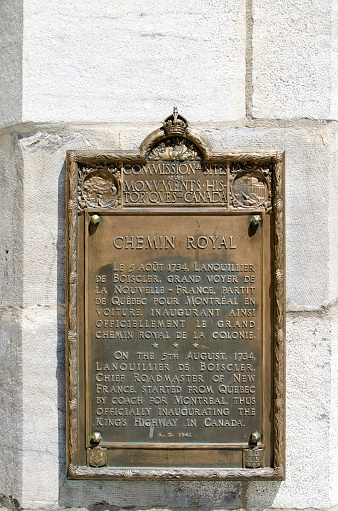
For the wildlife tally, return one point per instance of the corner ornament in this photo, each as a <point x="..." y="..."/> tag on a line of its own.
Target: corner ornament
<point x="97" y="457"/>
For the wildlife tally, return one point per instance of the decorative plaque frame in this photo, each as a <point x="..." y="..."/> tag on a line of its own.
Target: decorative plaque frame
<point x="226" y="188"/>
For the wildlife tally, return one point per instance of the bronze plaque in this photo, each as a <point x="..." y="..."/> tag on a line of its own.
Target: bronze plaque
<point x="175" y="311"/>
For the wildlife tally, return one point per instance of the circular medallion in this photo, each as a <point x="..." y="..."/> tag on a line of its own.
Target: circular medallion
<point x="250" y="189"/>
<point x="100" y="188"/>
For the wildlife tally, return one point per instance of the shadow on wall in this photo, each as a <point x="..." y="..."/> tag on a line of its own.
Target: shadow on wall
<point x="105" y="495"/>
<point x="61" y="352"/>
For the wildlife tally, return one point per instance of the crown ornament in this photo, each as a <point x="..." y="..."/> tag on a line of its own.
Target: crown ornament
<point x="175" y="124"/>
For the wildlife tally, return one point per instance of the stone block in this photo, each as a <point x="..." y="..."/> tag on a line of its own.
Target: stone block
<point x="310" y="182"/>
<point x="40" y="406"/>
<point x="11" y="30"/>
<point x="334" y="406"/>
<point x="162" y="495"/>
<point x="308" y="420"/>
<point x="334" y="62"/>
<point x="11" y="401"/>
<point x="332" y="217"/>
<point x="11" y="257"/>
<point x="11" y="227"/>
<point x="294" y="59"/>
<point x="44" y="203"/>
<point x="108" y="62"/>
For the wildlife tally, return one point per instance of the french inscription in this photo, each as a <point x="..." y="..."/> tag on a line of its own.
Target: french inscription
<point x="183" y="183"/>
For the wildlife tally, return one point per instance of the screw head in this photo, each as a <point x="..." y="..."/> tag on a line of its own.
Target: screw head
<point x="96" y="438"/>
<point x="254" y="438"/>
<point x="256" y="219"/>
<point x="95" y="219"/>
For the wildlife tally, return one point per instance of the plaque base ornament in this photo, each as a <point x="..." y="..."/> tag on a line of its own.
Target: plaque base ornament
<point x="97" y="457"/>
<point x="175" y="310"/>
<point x="254" y="457"/>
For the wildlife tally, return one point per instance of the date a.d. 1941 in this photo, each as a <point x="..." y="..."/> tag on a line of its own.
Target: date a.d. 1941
<point x="175" y="310"/>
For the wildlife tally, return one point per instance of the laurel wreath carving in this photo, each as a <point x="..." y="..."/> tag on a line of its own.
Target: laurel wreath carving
<point x="175" y="149"/>
<point x="279" y="314"/>
<point x="258" y="193"/>
<point x="99" y="186"/>
<point x="71" y="317"/>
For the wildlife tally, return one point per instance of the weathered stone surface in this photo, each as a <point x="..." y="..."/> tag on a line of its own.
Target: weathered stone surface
<point x="44" y="206"/>
<point x="294" y="54"/>
<point x="164" y="495"/>
<point x="11" y="204"/>
<point x="310" y="339"/>
<point x="32" y="260"/>
<point x="333" y="314"/>
<point x="41" y="406"/>
<point x="11" y="30"/>
<point x="131" y="62"/>
<point x="311" y="181"/>
<point x="11" y="422"/>
<point x="11" y="251"/>
<point x="9" y="503"/>
<point x="311" y="185"/>
<point x="334" y="62"/>
<point x="332" y="217"/>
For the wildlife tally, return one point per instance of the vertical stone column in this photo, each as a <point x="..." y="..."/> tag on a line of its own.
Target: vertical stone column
<point x="11" y="260"/>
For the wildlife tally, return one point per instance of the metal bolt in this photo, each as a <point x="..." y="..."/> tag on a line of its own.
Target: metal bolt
<point x="96" y="438"/>
<point x="256" y="219"/>
<point x="254" y="438"/>
<point x="95" y="219"/>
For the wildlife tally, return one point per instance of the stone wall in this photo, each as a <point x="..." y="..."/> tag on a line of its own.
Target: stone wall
<point x="86" y="74"/>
